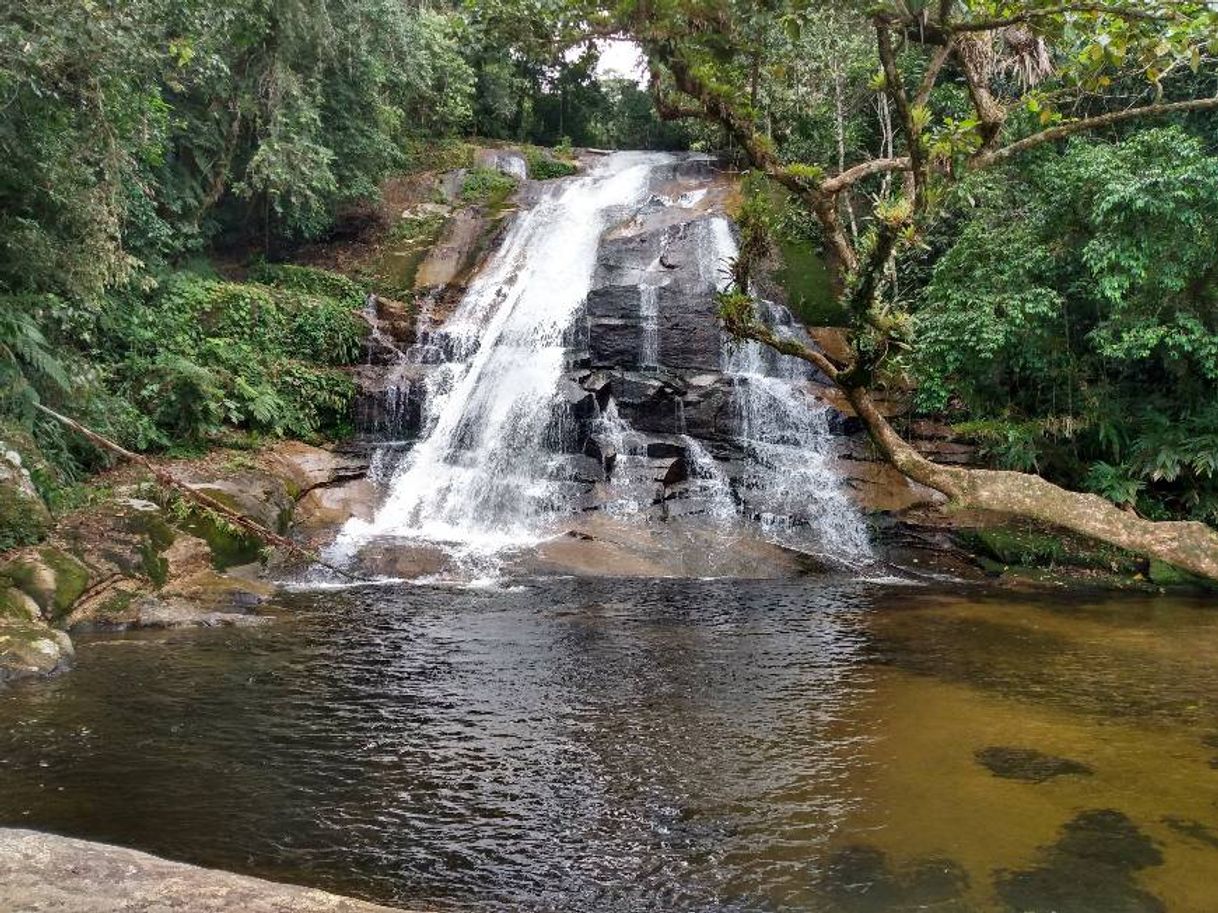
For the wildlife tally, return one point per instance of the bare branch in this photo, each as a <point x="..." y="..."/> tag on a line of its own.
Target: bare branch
<point x="856" y="173"/>
<point x="942" y="52"/>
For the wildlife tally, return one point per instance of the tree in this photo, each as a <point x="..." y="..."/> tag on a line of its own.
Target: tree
<point x="971" y="86"/>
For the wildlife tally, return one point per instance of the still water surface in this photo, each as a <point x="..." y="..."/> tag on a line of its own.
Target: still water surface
<point x="585" y="745"/>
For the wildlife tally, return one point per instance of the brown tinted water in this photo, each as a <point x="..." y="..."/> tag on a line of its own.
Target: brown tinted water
<point x="585" y="745"/>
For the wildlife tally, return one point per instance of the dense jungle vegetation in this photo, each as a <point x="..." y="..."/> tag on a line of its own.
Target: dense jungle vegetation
<point x="139" y="138"/>
<point x="1058" y="303"/>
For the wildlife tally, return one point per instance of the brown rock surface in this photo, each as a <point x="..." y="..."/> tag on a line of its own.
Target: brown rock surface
<point x="43" y="873"/>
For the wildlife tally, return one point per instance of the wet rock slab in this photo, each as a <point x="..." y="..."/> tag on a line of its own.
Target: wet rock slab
<point x="41" y="873"/>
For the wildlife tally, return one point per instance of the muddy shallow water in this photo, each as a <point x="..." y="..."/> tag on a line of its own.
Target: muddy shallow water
<point x="585" y="745"/>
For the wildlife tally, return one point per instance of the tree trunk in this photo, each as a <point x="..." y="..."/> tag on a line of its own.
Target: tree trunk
<point x="1188" y="545"/>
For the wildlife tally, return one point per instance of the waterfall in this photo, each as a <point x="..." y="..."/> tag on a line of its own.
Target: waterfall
<point x="481" y="477"/>
<point x="649" y="316"/>
<point x="520" y="426"/>
<point x="791" y="488"/>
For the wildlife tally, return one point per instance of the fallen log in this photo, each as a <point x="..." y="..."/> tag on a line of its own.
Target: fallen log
<point x="170" y="481"/>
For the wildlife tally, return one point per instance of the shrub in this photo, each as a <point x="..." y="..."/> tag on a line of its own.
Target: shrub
<point x="543" y="167"/>
<point x="487" y="186"/>
<point x="202" y="355"/>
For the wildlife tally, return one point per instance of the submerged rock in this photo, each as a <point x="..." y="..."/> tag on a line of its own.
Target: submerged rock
<point x="861" y="879"/>
<point x="175" y="612"/>
<point x="1193" y="830"/>
<point x="1090" y="869"/>
<point x="1027" y="764"/>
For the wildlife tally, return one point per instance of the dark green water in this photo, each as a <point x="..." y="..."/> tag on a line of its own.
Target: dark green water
<point x="585" y="745"/>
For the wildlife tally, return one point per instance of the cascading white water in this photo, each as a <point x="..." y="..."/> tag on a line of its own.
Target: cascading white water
<point x="649" y="316"/>
<point x="479" y="480"/>
<point x="791" y="487"/>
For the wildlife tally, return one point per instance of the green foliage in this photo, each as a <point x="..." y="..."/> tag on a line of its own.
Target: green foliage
<point x="544" y="167"/>
<point x="1074" y="313"/>
<point x="201" y="354"/>
<point x="317" y="282"/>
<point x="23" y="520"/>
<point x="487" y="186"/>
<point x="781" y="234"/>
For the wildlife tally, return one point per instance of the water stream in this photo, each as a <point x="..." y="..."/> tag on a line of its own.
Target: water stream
<point x="811" y="746"/>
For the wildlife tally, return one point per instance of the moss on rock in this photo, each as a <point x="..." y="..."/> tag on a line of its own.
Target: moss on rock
<point x="1166" y="575"/>
<point x="1019" y="546"/>
<point x="52" y="578"/>
<point x="229" y="546"/>
<point x="24" y="519"/>
<point x="30" y="648"/>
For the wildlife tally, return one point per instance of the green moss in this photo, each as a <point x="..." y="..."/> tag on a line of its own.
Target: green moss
<point x="1168" y="575"/>
<point x="53" y="579"/>
<point x="1012" y="546"/>
<point x="24" y="520"/>
<point x="153" y="525"/>
<point x="71" y="580"/>
<point x="409" y="242"/>
<point x="229" y="545"/>
<point x="154" y="566"/>
<point x="12" y="604"/>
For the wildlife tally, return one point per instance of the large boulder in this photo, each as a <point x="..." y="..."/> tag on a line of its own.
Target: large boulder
<point x="28" y="645"/>
<point x="52" y="580"/>
<point x="32" y="648"/>
<point x="40" y="873"/>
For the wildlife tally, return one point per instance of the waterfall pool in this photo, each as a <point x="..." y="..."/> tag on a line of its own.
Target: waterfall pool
<point x="601" y="745"/>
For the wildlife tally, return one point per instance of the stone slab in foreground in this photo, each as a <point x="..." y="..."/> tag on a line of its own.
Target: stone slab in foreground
<point x="42" y="873"/>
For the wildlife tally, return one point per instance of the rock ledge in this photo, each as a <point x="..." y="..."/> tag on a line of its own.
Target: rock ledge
<point x="40" y="873"/>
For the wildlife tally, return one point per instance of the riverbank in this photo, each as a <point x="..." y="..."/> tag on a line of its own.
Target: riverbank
<point x="133" y="557"/>
<point x="45" y="873"/>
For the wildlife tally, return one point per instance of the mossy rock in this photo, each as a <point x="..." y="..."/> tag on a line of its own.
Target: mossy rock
<point x="15" y="605"/>
<point x="1015" y="546"/>
<point x="30" y="648"/>
<point x="24" y="519"/>
<point x="52" y="578"/>
<point x="1168" y="575"/>
<point x="544" y="166"/>
<point x="71" y="581"/>
<point x="229" y="545"/>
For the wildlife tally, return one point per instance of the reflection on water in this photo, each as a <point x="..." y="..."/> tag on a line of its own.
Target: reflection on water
<point x="654" y="745"/>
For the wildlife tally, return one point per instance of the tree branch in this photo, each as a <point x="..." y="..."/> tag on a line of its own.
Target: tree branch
<point x="989" y="25"/>
<point x="896" y="91"/>
<point x="856" y="173"/>
<point x="1062" y="131"/>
